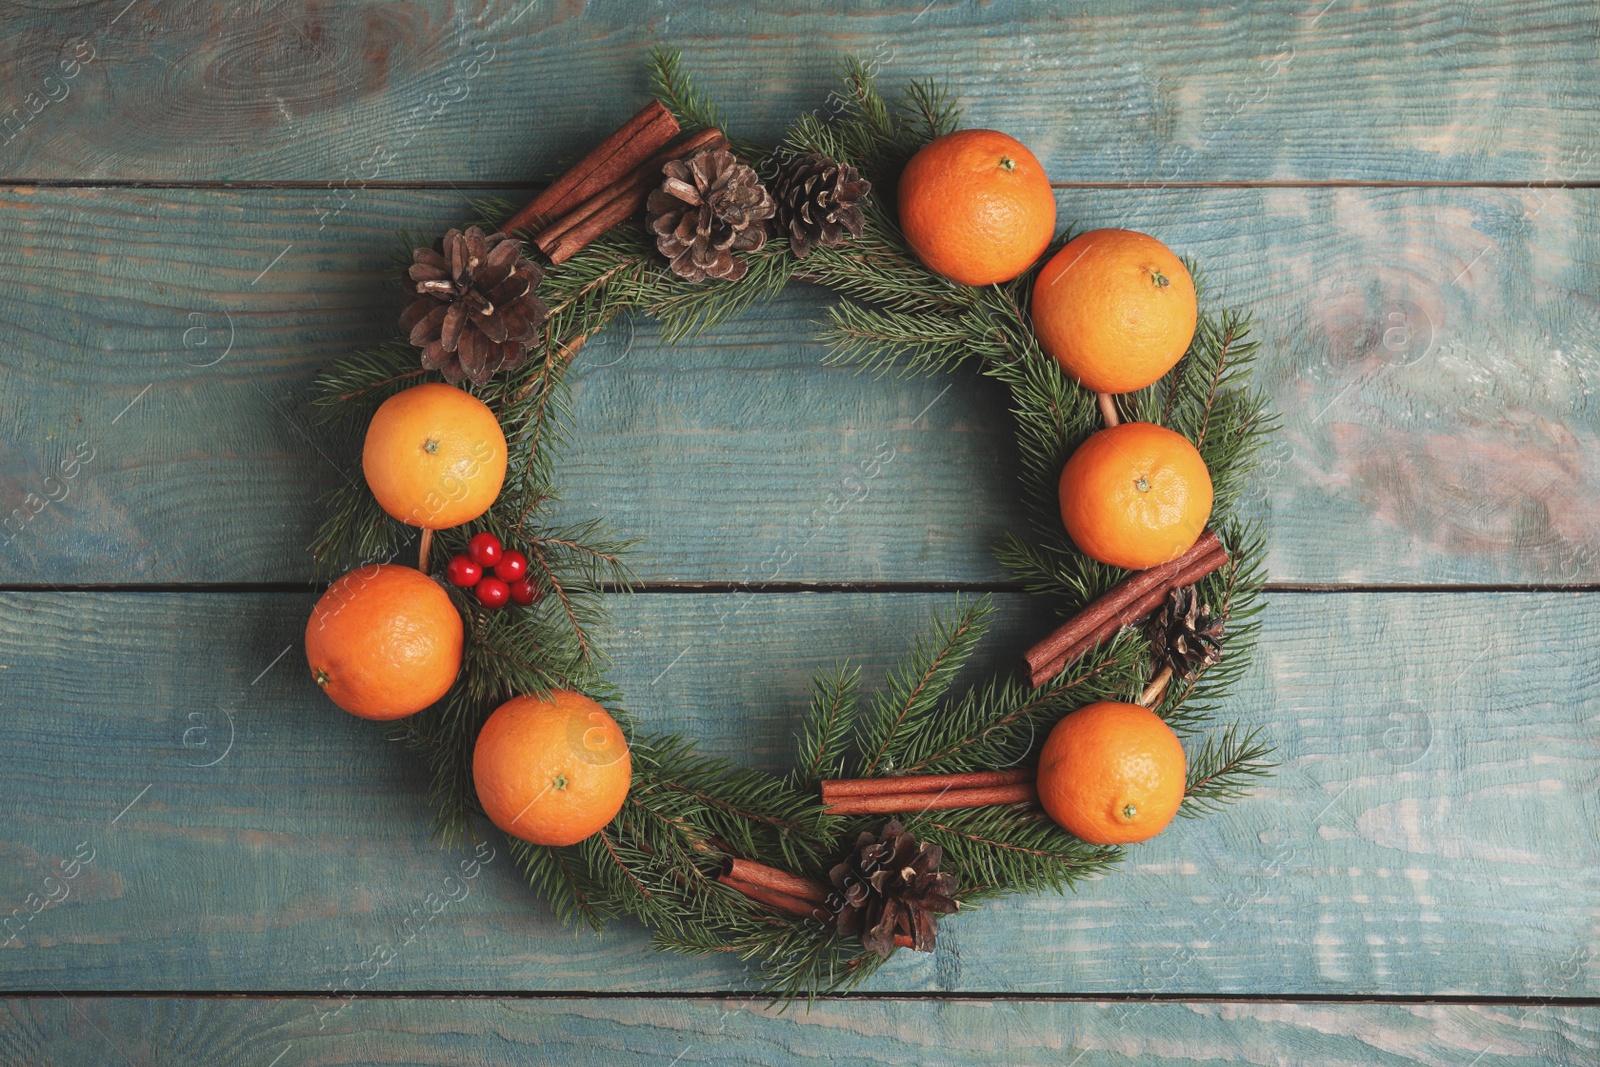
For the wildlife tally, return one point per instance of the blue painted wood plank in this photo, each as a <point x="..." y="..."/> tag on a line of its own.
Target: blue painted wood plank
<point x="355" y="92"/>
<point x="1431" y="830"/>
<point x="467" y="1033"/>
<point x="1431" y="353"/>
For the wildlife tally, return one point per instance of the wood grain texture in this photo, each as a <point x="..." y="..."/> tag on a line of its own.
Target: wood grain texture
<point x="1431" y="352"/>
<point x="1432" y="829"/>
<point x="501" y="91"/>
<point x="58" y="1032"/>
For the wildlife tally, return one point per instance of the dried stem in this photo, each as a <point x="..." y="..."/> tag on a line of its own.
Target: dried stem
<point x="1108" y="409"/>
<point x="1158" y="685"/>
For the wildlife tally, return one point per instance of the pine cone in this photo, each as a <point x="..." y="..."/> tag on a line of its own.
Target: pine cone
<point x="892" y="885"/>
<point x="709" y="207"/>
<point x="819" y="200"/>
<point x="472" y="308"/>
<point x="1187" y="635"/>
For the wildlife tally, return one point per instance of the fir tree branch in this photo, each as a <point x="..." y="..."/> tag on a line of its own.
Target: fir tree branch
<point x="672" y="85"/>
<point x="828" y="726"/>
<point x="1006" y="849"/>
<point x="1224" y="770"/>
<point x="623" y="867"/>
<point x="366" y="377"/>
<point x="914" y="688"/>
<point x="1236" y="587"/>
<point x="553" y="579"/>
<point x="550" y="871"/>
<point x="929" y="110"/>
<point x="753" y="813"/>
<point x="998" y="725"/>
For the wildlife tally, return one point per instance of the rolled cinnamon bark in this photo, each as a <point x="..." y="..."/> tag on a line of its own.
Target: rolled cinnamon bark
<point x="1128" y="615"/>
<point x="1131" y="588"/>
<point x="759" y="874"/>
<point x="608" y="162"/>
<point x="920" y="783"/>
<point x="774" y="899"/>
<point x="938" y="800"/>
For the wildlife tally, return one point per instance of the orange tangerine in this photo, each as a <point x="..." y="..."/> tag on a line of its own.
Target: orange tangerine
<point x="1115" y="308"/>
<point x="551" y="770"/>
<point x="435" y="456"/>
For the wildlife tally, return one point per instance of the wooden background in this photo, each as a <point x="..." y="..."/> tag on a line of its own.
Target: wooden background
<point x="199" y="202"/>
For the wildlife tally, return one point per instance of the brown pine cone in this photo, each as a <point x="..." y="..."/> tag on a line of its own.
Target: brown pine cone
<point x="819" y="201"/>
<point x="709" y="207"/>
<point x="1187" y="636"/>
<point x="892" y="885"/>
<point x="472" y="307"/>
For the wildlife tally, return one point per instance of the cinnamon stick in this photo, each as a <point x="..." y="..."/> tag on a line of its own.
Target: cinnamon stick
<point x="572" y="233"/>
<point x="938" y="800"/>
<point x="1131" y="588"/>
<point x="611" y="160"/>
<point x="551" y="235"/>
<point x="774" y="899"/>
<point x="759" y="874"/>
<point x="921" y="783"/>
<point x="1128" y="615"/>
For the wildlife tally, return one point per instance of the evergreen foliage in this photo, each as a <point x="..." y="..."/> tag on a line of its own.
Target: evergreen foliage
<point x="687" y="813"/>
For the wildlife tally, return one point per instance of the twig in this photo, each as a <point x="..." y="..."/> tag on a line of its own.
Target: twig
<point x="1108" y="409"/>
<point x="1064" y="858"/>
<point x="424" y="548"/>
<point x="1158" y="685"/>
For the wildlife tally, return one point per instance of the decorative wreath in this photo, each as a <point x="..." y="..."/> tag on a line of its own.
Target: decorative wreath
<point x="902" y="806"/>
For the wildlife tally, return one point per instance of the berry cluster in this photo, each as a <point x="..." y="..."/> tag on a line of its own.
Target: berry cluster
<point x="494" y="574"/>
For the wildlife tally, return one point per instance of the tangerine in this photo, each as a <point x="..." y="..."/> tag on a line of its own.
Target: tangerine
<point x="1116" y="309"/>
<point x="435" y="456"/>
<point x="1135" y="495"/>
<point x="551" y="770"/>
<point x="1112" y="773"/>
<point x="976" y="207"/>
<point x="384" y="642"/>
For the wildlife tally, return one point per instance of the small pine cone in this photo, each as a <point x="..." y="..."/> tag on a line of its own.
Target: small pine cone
<point x="892" y="885"/>
<point x="472" y="309"/>
<point x="1187" y="636"/>
<point x="819" y="201"/>
<point x="709" y="207"/>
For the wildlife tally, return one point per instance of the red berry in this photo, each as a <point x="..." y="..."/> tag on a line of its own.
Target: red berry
<point x="493" y="593"/>
<point x="485" y="549"/>
<point x="462" y="571"/>
<point x="523" y="592"/>
<point x="512" y="565"/>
